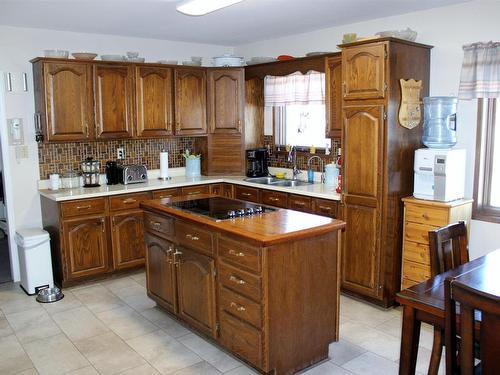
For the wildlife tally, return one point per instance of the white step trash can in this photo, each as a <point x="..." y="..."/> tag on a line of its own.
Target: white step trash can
<point x="35" y="261"/>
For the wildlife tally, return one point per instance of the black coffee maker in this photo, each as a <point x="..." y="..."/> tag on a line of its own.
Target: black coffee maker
<point x="257" y="162"/>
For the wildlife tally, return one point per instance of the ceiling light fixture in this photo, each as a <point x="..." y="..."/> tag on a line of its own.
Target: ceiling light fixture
<point x="202" y="7"/>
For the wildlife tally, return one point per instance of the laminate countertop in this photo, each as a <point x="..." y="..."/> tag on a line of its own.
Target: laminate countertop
<point x="268" y="229"/>
<point x="316" y="190"/>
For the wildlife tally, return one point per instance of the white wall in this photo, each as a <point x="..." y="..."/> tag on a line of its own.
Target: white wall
<point x="18" y="46"/>
<point x="447" y="29"/>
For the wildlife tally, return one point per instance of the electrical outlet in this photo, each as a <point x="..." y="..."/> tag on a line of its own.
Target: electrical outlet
<point x="120" y="153"/>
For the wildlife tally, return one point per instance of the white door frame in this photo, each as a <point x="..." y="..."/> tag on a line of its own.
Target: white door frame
<point x="7" y="184"/>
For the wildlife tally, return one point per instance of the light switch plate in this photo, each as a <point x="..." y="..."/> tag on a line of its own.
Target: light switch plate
<point x="22" y="152"/>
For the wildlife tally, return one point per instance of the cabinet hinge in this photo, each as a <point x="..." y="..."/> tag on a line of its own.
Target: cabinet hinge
<point x="217" y="328"/>
<point x="385" y="115"/>
<point x="385" y="52"/>
<point x="214" y="272"/>
<point x="385" y="86"/>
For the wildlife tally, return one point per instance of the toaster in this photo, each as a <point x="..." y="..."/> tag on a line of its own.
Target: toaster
<point x="133" y="174"/>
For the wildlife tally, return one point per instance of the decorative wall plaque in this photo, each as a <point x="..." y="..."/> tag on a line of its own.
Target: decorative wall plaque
<point x="409" y="110"/>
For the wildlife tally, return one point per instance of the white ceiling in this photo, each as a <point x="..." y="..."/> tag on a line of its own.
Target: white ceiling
<point x="249" y="21"/>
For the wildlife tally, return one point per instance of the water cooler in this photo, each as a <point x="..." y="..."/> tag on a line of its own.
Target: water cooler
<point x="439" y="169"/>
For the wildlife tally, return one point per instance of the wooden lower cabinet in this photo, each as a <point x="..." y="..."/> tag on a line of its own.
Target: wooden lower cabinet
<point x="196" y="289"/>
<point x="86" y="247"/>
<point x="127" y="239"/>
<point x="258" y="302"/>
<point x="160" y="271"/>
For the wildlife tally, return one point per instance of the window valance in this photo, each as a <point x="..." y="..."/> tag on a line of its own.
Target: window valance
<point x="296" y="88"/>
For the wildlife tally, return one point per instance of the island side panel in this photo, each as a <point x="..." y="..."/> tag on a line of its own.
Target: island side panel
<point x="303" y="301"/>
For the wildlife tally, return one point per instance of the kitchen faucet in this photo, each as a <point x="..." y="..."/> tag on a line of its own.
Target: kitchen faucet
<point x="322" y="165"/>
<point x="292" y="158"/>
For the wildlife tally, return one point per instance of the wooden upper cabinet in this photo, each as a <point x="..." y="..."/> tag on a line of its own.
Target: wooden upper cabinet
<point x="68" y="101"/>
<point x="85" y="247"/>
<point x="363" y="150"/>
<point x="226" y="100"/>
<point x="364" y="72"/>
<point x="190" y="102"/>
<point x="128" y="239"/>
<point x="333" y="79"/>
<point x="113" y="91"/>
<point x="154" y="101"/>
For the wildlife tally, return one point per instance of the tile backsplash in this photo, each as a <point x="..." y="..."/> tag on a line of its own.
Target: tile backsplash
<point x="61" y="157"/>
<point x="279" y="158"/>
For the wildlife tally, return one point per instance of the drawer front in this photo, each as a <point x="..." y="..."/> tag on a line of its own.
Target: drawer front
<point x="417" y="232"/>
<point x="240" y="307"/>
<point x="299" y="203"/>
<point x="325" y="207"/>
<point x="236" y="253"/>
<point x="407" y="283"/>
<point x="417" y="252"/>
<point x="416" y="271"/>
<point x="426" y="215"/>
<point x="274" y="198"/>
<point x="194" y="237"/>
<point x="166" y="193"/>
<point x="193" y="190"/>
<point x="240" y="281"/>
<point x="159" y="224"/>
<point x="127" y="201"/>
<point x="83" y="207"/>
<point x="246" y="194"/>
<point x="241" y="338"/>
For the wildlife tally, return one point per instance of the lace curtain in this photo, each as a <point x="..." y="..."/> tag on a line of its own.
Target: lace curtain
<point x="295" y="88"/>
<point x="480" y="76"/>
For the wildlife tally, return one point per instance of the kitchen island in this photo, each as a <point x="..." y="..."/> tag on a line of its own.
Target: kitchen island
<point x="264" y="285"/>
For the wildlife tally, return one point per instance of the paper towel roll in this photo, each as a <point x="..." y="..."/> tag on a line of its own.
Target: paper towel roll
<point x="164" y="165"/>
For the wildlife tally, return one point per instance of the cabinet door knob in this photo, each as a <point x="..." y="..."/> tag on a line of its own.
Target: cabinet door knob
<point x="237" y="280"/>
<point x="236" y="254"/>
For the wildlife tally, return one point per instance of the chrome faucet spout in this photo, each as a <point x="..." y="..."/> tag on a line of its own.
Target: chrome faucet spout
<point x="292" y="158"/>
<point x="322" y="166"/>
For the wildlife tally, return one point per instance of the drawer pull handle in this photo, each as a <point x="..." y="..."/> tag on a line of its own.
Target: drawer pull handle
<point x="246" y="194"/>
<point x="194" y="192"/>
<point x="299" y="203"/>
<point x="155" y="224"/>
<point x="83" y="207"/>
<point x="325" y="208"/>
<point x="176" y="261"/>
<point x="232" y="252"/>
<point x="273" y="199"/>
<point x="191" y="237"/>
<point x="169" y="258"/>
<point x="238" y="308"/>
<point x="236" y="280"/>
<point x="129" y="200"/>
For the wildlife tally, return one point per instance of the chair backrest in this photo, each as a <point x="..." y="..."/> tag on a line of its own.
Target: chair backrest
<point x="449" y="248"/>
<point x="471" y="300"/>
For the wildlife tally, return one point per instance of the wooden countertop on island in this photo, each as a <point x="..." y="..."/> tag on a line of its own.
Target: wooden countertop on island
<point x="267" y="229"/>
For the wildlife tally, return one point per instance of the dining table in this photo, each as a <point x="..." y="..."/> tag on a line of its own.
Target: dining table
<point x="425" y="302"/>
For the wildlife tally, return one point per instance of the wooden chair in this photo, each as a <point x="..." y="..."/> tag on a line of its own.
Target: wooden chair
<point x="471" y="300"/>
<point x="448" y="250"/>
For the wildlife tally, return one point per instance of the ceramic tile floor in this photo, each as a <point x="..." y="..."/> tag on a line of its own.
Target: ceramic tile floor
<point x="112" y="327"/>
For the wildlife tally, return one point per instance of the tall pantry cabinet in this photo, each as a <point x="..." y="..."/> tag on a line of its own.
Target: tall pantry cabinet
<point x="378" y="161"/>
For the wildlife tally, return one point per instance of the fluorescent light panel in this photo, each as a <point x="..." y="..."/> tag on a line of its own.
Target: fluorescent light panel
<point x="201" y="7"/>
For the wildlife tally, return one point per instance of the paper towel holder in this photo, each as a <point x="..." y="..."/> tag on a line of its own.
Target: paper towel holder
<point x="166" y="178"/>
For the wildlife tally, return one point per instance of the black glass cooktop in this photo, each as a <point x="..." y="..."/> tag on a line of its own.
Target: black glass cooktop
<point x="218" y="208"/>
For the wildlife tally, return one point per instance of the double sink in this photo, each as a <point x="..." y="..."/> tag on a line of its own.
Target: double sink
<point x="273" y="181"/>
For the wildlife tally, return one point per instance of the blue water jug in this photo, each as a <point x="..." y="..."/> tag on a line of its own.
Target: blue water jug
<point x="440" y="121"/>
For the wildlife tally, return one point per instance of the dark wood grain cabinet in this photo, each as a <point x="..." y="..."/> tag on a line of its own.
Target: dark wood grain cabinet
<point x="64" y="100"/>
<point x="196" y="289"/>
<point x="160" y="271"/>
<point x="190" y="101"/>
<point x="127" y="230"/>
<point x="154" y="101"/>
<point x="378" y="162"/>
<point x="86" y="247"/>
<point x="333" y="96"/>
<point x="226" y="100"/>
<point x="113" y="91"/>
